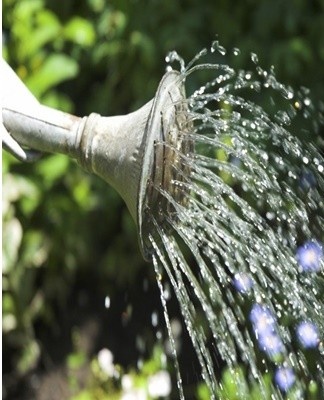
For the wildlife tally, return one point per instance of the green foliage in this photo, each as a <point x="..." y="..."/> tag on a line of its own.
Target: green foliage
<point x="55" y="69"/>
<point x="80" y="31"/>
<point x="62" y="226"/>
<point x="118" y="382"/>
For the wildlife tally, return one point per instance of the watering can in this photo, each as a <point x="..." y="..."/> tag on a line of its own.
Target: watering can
<point x="135" y="153"/>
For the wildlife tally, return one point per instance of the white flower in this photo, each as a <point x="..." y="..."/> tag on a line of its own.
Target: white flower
<point x="159" y="384"/>
<point x="105" y="360"/>
<point x="126" y="382"/>
<point x="134" y="394"/>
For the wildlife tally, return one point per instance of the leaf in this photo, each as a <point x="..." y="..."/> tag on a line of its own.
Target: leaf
<point x="80" y="31"/>
<point x="36" y="28"/>
<point x="47" y="30"/>
<point x="12" y="236"/>
<point x="97" y="5"/>
<point x="82" y="193"/>
<point x="84" y="395"/>
<point x="8" y="304"/>
<point x="9" y="323"/>
<point x="76" y="360"/>
<point x="29" y="357"/>
<point x="35" y="249"/>
<point x="55" y="99"/>
<point x="203" y="392"/>
<point x="52" y="168"/>
<point x="234" y="384"/>
<point x="56" y="69"/>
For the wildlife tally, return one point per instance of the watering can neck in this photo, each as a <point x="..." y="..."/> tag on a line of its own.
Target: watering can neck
<point x="133" y="152"/>
<point x="110" y="147"/>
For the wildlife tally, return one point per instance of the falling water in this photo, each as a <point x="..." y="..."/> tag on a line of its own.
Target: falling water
<point x="242" y="247"/>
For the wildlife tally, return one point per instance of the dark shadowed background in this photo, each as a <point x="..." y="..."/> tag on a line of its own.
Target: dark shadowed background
<point x="74" y="281"/>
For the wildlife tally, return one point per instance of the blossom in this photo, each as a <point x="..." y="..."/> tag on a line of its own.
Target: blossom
<point x="284" y="378"/>
<point x="159" y="384"/>
<point x="264" y="326"/>
<point x="242" y="282"/>
<point x="307" y="334"/>
<point x="262" y="319"/>
<point x="134" y="394"/>
<point x="127" y="382"/>
<point x="307" y="181"/>
<point x="105" y="360"/>
<point x="309" y="256"/>
<point x="270" y="343"/>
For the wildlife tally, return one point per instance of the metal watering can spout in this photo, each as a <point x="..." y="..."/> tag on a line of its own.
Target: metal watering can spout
<point x="132" y="152"/>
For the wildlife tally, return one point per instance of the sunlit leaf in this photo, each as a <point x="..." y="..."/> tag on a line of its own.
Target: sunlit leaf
<point x="203" y="392"/>
<point x="35" y="252"/>
<point x="29" y="357"/>
<point x="56" y="69"/>
<point x="12" y="236"/>
<point x="47" y="29"/>
<point x="76" y="360"/>
<point x="80" y="31"/>
<point x="58" y="101"/>
<point x="52" y="168"/>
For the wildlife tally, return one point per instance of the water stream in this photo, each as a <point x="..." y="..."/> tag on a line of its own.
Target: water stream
<point x="243" y="248"/>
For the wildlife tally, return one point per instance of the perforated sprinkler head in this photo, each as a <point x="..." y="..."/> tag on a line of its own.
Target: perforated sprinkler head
<point x="139" y="154"/>
<point x="167" y="143"/>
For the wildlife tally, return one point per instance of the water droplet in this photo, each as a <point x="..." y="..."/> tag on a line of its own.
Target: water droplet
<point x="107" y="302"/>
<point x="245" y="210"/>
<point x="283" y="117"/>
<point x="154" y="318"/>
<point x="216" y="46"/>
<point x="254" y="58"/>
<point x="172" y="57"/>
<point x="236" y="51"/>
<point x="167" y="292"/>
<point x="307" y="102"/>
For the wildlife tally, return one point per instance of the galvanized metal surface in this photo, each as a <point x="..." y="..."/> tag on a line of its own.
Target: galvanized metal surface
<point x="123" y="150"/>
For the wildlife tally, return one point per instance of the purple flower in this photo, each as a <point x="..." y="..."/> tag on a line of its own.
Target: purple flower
<point x="309" y="256"/>
<point x="234" y="160"/>
<point x="264" y="326"/>
<point x="307" y="181"/>
<point x="262" y="319"/>
<point x="284" y="378"/>
<point x="242" y="282"/>
<point x="270" y="343"/>
<point x="307" y="334"/>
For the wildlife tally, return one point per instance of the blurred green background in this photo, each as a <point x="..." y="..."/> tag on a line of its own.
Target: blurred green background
<point x="74" y="281"/>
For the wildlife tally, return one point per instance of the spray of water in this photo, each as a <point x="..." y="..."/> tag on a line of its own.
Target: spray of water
<point x="242" y="245"/>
